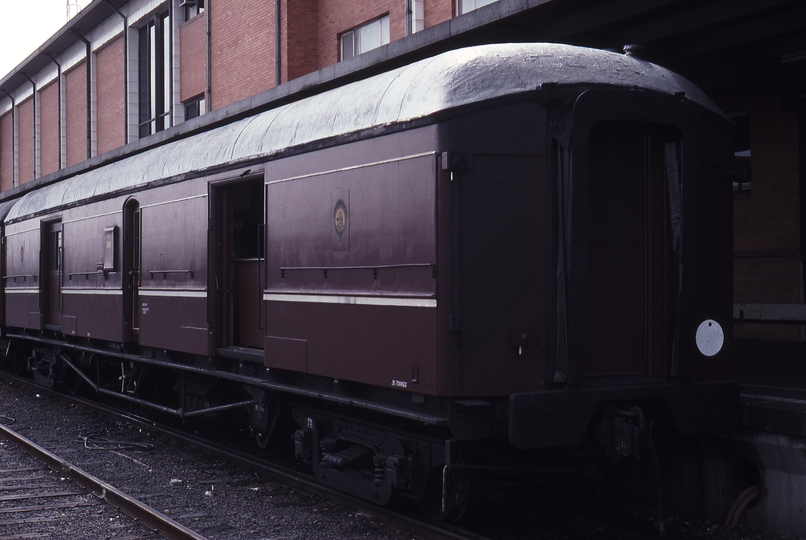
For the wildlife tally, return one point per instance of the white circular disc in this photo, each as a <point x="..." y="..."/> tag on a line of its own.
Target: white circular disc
<point x="710" y="337"/>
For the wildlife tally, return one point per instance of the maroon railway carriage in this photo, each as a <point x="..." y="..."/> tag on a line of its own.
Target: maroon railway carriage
<point x="448" y="266"/>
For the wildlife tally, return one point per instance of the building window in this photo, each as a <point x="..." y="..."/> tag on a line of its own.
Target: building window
<point x="195" y="107"/>
<point x="742" y="173"/>
<point x="365" y="38"/>
<point x="154" y="70"/>
<point x="466" y="6"/>
<point x="415" y="16"/>
<point x="192" y="8"/>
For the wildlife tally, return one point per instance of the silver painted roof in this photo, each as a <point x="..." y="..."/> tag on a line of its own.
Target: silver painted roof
<point x="446" y="81"/>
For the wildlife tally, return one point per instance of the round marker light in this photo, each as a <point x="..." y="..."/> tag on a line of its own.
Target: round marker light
<point x="710" y="337"/>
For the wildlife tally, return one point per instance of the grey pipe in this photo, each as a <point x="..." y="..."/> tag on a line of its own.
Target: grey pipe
<point x="278" y="58"/>
<point x="208" y="90"/>
<point x="13" y="125"/>
<point x="88" y="47"/>
<point x="58" y="107"/>
<point x="33" y="124"/>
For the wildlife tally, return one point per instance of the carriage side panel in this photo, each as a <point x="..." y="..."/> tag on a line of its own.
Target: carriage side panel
<point x="91" y="291"/>
<point x="351" y="263"/>
<point x="498" y="239"/>
<point x="173" y="270"/>
<point x="22" y="275"/>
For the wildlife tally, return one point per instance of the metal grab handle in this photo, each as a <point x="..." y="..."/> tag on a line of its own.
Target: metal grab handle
<point x="165" y="272"/>
<point x="260" y="233"/>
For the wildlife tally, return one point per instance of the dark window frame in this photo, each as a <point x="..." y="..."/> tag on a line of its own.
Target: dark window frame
<point x="194" y="107"/>
<point x="193" y="9"/>
<point x="350" y="43"/>
<point x="154" y="71"/>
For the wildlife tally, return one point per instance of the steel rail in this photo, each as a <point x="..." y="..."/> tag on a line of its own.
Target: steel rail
<point x="296" y="480"/>
<point x="151" y="518"/>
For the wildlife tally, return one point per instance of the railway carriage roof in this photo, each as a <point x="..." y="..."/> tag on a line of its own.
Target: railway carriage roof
<point x="409" y="93"/>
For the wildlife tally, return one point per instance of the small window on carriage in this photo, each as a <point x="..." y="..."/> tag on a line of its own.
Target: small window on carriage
<point x="56" y="251"/>
<point x="741" y="161"/>
<point x="195" y="107"/>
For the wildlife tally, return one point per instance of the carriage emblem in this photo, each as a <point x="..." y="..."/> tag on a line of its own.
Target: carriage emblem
<point x="340" y="217"/>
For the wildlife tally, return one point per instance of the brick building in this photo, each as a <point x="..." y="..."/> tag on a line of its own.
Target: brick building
<point x="121" y="71"/>
<point x="125" y="75"/>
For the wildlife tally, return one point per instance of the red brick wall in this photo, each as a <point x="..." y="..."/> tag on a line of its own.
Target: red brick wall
<point x="193" y="54"/>
<point x="25" y="132"/>
<point x="49" y="129"/>
<point x="75" y="91"/>
<point x="766" y="244"/>
<point x="300" y="38"/>
<point x="769" y="218"/>
<point x="6" y="152"/>
<point x="242" y="50"/>
<point x="110" y="88"/>
<point x="438" y="11"/>
<point x="337" y="16"/>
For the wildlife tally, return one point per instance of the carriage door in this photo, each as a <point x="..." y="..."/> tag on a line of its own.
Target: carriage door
<point x="239" y="276"/>
<point x="131" y="269"/>
<point x="630" y="308"/>
<point x="52" y="270"/>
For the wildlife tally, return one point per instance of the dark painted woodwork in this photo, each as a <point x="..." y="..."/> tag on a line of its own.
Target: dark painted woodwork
<point x="381" y="345"/>
<point x="629" y="310"/>
<point x="384" y="251"/>
<point x="174" y="322"/>
<point x="51" y="263"/>
<point x="496" y="249"/>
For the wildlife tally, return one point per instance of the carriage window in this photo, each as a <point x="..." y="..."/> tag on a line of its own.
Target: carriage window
<point x="56" y="251"/>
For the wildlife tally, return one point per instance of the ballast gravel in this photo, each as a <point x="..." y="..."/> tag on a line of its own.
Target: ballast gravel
<point x="217" y="499"/>
<point x="220" y="500"/>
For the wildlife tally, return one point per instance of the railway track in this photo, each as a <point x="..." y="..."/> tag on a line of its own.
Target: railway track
<point x="407" y="524"/>
<point x="602" y="523"/>
<point x="44" y="495"/>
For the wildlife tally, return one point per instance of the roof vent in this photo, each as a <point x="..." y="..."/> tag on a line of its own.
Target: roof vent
<point x="636" y="51"/>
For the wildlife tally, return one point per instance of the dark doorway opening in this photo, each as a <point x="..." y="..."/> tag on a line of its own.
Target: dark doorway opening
<point x="52" y="271"/>
<point x="132" y="228"/>
<point x="239" y="278"/>
<point x="630" y="310"/>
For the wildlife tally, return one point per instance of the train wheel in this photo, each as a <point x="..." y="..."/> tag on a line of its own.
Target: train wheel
<point x="446" y="496"/>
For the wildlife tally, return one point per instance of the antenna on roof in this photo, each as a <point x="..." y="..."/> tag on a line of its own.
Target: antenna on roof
<point x="73" y="7"/>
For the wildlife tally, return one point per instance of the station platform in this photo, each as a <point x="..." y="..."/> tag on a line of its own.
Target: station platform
<point x="772" y="431"/>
